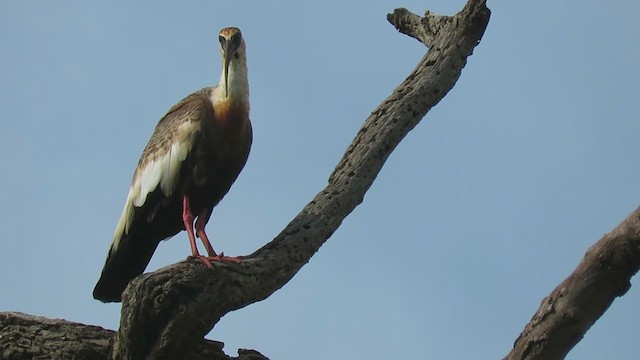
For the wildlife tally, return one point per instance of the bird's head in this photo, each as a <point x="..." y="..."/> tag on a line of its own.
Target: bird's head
<point x="233" y="51"/>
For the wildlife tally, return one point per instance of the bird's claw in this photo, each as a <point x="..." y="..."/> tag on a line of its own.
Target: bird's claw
<point x="206" y="260"/>
<point x="202" y="259"/>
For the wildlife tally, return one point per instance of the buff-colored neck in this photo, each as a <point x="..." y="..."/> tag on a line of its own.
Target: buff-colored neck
<point x="236" y="91"/>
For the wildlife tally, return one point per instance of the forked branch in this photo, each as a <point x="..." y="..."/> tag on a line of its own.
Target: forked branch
<point x="175" y="307"/>
<point x="167" y="313"/>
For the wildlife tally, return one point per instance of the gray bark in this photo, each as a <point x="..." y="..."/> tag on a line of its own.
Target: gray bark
<point x="27" y="337"/>
<point x="182" y="302"/>
<point x="167" y="313"/>
<point x="578" y="302"/>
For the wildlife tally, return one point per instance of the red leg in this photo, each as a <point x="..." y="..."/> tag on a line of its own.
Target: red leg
<point x="187" y="219"/>
<point x="201" y="222"/>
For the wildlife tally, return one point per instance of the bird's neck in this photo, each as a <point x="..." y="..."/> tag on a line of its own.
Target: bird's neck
<point x="236" y="91"/>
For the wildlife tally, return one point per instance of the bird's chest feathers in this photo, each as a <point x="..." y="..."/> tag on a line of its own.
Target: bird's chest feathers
<point x="224" y="145"/>
<point x="230" y="129"/>
<point x="231" y="117"/>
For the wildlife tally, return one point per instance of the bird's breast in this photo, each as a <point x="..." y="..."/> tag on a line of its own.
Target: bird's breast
<point x="225" y="145"/>
<point x="231" y="116"/>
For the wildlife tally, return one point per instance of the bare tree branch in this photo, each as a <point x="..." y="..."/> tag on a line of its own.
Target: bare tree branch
<point x="30" y="337"/>
<point x="578" y="302"/>
<point x="175" y="307"/>
<point x="27" y="337"/>
<point x="167" y="313"/>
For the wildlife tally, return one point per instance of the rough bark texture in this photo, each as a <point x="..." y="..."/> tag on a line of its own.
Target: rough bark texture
<point x="569" y="311"/>
<point x="167" y="312"/>
<point x="32" y="337"/>
<point x="27" y="337"/>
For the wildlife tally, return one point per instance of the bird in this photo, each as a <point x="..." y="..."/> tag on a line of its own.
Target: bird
<point x="196" y="152"/>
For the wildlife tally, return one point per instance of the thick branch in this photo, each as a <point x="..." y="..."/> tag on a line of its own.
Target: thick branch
<point x="32" y="337"/>
<point x="569" y="311"/>
<point x="26" y="337"/>
<point x="167" y="313"/>
<point x="172" y="308"/>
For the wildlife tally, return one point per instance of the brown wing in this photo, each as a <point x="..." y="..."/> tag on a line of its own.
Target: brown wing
<point x="158" y="169"/>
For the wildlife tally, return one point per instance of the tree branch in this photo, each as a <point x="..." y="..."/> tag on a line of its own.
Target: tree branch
<point x="183" y="302"/>
<point x="175" y="307"/>
<point x="167" y="313"/>
<point x="26" y="337"/>
<point x="578" y="302"/>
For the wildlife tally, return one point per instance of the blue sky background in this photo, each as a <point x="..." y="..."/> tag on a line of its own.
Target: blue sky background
<point x="483" y="209"/>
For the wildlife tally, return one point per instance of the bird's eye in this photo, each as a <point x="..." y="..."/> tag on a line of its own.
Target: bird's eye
<point x="221" y="39"/>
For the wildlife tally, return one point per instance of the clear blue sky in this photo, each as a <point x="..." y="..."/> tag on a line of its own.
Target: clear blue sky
<point x="483" y="209"/>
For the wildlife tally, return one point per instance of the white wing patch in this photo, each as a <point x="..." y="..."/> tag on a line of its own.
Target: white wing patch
<point x="162" y="171"/>
<point x="124" y="223"/>
<point x="171" y="166"/>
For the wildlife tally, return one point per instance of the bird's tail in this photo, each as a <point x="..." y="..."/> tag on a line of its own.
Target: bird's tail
<point x="127" y="259"/>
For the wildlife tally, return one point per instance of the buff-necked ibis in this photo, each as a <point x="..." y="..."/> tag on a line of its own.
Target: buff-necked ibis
<point x="196" y="152"/>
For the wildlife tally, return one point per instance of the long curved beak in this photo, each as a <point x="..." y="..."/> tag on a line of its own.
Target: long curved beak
<point x="229" y="49"/>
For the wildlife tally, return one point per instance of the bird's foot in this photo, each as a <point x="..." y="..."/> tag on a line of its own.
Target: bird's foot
<point x="206" y="260"/>
<point x="222" y="257"/>
<point x="202" y="259"/>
